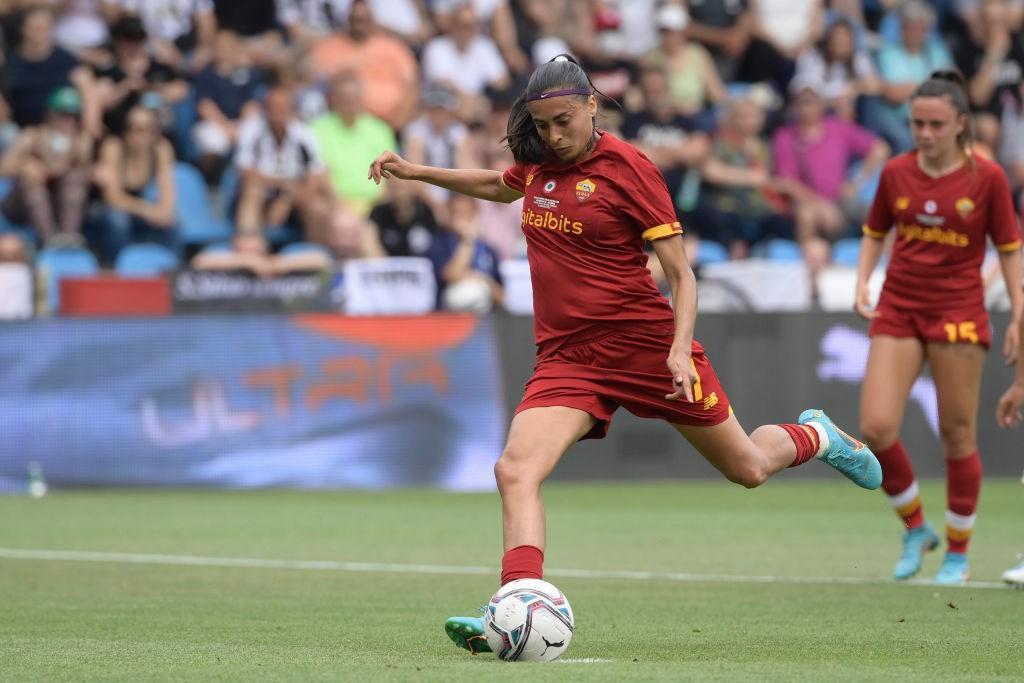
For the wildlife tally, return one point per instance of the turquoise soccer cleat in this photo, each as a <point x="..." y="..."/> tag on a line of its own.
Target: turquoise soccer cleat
<point x="467" y="633"/>
<point x="851" y="457"/>
<point x="916" y="542"/>
<point x="954" y="570"/>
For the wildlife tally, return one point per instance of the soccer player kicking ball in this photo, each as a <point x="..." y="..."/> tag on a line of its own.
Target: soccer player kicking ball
<point x="943" y="201"/>
<point x="1008" y="415"/>
<point x="605" y="335"/>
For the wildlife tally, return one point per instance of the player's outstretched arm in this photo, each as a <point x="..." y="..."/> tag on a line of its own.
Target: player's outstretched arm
<point x="479" y="183"/>
<point x="1009" y="262"/>
<point x="683" y="284"/>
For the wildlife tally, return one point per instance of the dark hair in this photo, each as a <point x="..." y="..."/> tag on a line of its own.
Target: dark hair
<point x="950" y="84"/>
<point x="561" y="73"/>
<point x="826" y="38"/>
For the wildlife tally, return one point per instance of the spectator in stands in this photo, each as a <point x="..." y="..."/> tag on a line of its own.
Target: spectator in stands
<point x="789" y="27"/>
<point x="181" y="32"/>
<point x="812" y="156"/>
<point x="309" y="20"/>
<point x="466" y="59"/>
<point x="404" y="223"/>
<point x="438" y="138"/>
<point x="377" y="58"/>
<point x="970" y="13"/>
<point x="992" y="61"/>
<point x="351" y="236"/>
<point x="250" y="253"/>
<point x="81" y="28"/>
<point x="694" y="84"/>
<point x="37" y="67"/>
<point x="496" y="20"/>
<point x="726" y="28"/>
<point x="136" y="78"/>
<point x="135" y="174"/>
<point x="349" y="140"/>
<point x="256" y="22"/>
<point x="12" y="249"/>
<point x="674" y="142"/>
<point x="226" y="92"/>
<point x="554" y="27"/>
<point x="283" y="180"/>
<point x="466" y="268"/>
<point x="902" y="68"/>
<point x="847" y="71"/>
<point x="742" y="207"/>
<point x="51" y="164"/>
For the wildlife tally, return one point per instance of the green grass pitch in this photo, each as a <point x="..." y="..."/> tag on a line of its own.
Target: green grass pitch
<point x="91" y="620"/>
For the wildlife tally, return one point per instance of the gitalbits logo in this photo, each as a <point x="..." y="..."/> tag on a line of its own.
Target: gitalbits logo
<point x="551" y="221"/>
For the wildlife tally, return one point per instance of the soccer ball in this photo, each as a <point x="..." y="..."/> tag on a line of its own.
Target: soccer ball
<point x="528" y="620"/>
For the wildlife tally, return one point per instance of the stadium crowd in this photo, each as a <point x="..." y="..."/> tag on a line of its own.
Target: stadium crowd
<point x="227" y="130"/>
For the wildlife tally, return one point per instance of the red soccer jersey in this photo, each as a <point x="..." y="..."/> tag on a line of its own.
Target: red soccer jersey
<point x="941" y="225"/>
<point x="585" y="226"/>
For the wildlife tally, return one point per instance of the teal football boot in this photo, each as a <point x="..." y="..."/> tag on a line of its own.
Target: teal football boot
<point x="954" y="570"/>
<point x="852" y="458"/>
<point x="916" y="542"/>
<point x="467" y="633"/>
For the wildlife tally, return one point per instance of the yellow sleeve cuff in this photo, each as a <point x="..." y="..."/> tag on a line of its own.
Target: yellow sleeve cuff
<point x="663" y="230"/>
<point x="874" y="234"/>
<point x="1009" y="246"/>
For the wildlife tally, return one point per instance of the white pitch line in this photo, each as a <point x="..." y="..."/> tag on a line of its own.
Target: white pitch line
<point x="396" y="568"/>
<point x="584" y="660"/>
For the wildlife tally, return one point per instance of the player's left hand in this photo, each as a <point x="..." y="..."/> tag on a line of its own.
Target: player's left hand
<point x="1008" y="411"/>
<point x="1011" y="343"/>
<point x="684" y="375"/>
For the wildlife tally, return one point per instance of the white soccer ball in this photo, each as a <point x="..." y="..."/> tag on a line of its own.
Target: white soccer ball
<point x="528" y="620"/>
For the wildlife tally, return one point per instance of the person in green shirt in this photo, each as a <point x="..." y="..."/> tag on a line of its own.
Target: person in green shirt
<point x="349" y="139"/>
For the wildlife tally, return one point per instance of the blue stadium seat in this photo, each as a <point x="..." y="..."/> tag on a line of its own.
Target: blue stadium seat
<point x="845" y="252"/>
<point x="777" y="250"/>
<point x="197" y="223"/>
<point x="711" y="252"/>
<point x="145" y="260"/>
<point x="58" y="263"/>
<point x="303" y="247"/>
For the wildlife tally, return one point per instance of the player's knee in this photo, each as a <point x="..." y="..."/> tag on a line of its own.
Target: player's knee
<point x="957" y="438"/>
<point x="510" y="472"/>
<point x="878" y="433"/>
<point x="748" y="476"/>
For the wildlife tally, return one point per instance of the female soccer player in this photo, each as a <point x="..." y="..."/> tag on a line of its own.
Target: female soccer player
<point x="943" y="201"/>
<point x="605" y="336"/>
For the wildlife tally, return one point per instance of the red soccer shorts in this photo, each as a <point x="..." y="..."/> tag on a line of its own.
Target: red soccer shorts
<point x="964" y="326"/>
<point x="625" y="369"/>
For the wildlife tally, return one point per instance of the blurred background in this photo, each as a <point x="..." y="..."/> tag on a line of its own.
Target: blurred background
<point x="198" y="285"/>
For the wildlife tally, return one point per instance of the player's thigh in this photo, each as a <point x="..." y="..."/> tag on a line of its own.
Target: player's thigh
<point x="893" y="366"/>
<point x="726" y="446"/>
<point x="956" y="370"/>
<point x="538" y="438"/>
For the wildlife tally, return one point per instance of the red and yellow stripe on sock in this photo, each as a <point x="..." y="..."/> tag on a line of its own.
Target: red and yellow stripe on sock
<point x="958" y="531"/>
<point x="907" y="505"/>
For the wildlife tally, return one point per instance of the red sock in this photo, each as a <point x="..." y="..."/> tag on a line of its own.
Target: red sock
<point x="806" y="439"/>
<point x="522" y="562"/>
<point x="899" y="484"/>
<point x="963" y="486"/>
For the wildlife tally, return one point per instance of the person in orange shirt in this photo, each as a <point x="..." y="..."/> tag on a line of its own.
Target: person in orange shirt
<point x="377" y="58"/>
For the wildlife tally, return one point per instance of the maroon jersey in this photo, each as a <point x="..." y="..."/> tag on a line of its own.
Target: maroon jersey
<point x="585" y="226"/>
<point x="941" y="225"/>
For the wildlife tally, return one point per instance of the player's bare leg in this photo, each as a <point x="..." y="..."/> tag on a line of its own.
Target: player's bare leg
<point x="956" y="369"/>
<point x="894" y="364"/>
<point x="537" y="440"/>
<point x="750" y="460"/>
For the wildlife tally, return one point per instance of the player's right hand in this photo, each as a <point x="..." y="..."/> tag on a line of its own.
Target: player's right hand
<point x="862" y="302"/>
<point x="389" y="165"/>
<point x="1008" y="413"/>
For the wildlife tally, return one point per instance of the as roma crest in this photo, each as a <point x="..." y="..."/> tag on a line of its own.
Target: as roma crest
<point x="964" y="207"/>
<point x="584" y="189"/>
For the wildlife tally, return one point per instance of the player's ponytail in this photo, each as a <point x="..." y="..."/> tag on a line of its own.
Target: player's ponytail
<point x="950" y="84"/>
<point x="562" y="75"/>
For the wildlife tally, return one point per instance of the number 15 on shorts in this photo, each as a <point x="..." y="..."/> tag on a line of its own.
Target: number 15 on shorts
<point x="962" y="332"/>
